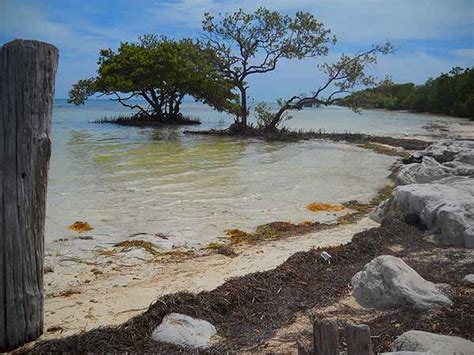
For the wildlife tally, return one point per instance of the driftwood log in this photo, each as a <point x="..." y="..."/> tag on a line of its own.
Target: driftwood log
<point x="27" y="79"/>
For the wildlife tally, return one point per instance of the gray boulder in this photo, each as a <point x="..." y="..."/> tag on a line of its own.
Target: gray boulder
<point x="379" y="212"/>
<point x="469" y="278"/>
<point x="182" y="330"/>
<point x="415" y="340"/>
<point x="428" y="170"/>
<point x="388" y="282"/>
<point x="440" y="160"/>
<point x="446" y="151"/>
<point x="446" y="208"/>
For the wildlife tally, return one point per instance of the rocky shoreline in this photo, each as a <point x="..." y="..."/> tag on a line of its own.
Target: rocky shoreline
<point x="436" y="192"/>
<point x="427" y="224"/>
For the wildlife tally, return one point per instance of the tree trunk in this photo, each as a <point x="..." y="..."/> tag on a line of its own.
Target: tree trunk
<point x="243" y="104"/>
<point x="27" y="76"/>
<point x="277" y="118"/>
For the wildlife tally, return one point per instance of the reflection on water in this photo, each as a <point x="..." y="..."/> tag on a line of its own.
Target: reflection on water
<point x="124" y="180"/>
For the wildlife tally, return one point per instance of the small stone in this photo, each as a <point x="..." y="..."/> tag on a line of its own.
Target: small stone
<point x="48" y="267"/>
<point x="469" y="278"/>
<point x="416" y="340"/>
<point x="388" y="282"/>
<point x="182" y="330"/>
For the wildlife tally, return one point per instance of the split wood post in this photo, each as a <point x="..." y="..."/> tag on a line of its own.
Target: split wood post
<point x="27" y="78"/>
<point x="325" y="339"/>
<point x="358" y="340"/>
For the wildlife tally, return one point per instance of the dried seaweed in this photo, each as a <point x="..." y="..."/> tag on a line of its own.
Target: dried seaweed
<point x="247" y="310"/>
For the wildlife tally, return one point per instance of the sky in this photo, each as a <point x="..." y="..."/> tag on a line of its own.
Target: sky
<point x="430" y="36"/>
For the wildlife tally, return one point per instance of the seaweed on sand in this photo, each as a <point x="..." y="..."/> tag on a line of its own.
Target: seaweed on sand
<point x="222" y="248"/>
<point x="80" y="227"/>
<point x="249" y="309"/>
<point x="324" y="207"/>
<point x="149" y="247"/>
<point x="274" y="230"/>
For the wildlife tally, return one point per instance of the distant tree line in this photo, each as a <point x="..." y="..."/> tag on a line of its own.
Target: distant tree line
<point x="449" y="94"/>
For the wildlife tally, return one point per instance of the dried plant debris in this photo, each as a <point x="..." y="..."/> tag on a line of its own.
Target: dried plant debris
<point x="248" y="310"/>
<point x="274" y="230"/>
<point x="222" y="248"/>
<point x="80" y="227"/>
<point x="128" y="245"/>
<point x="149" y="247"/>
<point x="324" y="207"/>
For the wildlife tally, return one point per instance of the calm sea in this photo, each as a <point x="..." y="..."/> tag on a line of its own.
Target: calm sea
<point x="126" y="180"/>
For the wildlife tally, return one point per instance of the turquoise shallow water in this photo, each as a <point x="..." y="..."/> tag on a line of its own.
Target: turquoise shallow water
<point x="125" y="180"/>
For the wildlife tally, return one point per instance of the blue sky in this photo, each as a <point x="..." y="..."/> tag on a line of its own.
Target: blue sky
<point x="431" y="36"/>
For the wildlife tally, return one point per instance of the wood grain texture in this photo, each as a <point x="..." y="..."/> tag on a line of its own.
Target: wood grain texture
<point x="325" y="338"/>
<point x="27" y="78"/>
<point x="358" y="340"/>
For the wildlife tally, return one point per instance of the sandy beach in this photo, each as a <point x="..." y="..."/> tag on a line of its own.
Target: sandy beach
<point x="80" y="298"/>
<point x="108" y="290"/>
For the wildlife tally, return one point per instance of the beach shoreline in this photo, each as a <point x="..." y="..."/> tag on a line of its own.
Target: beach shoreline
<point x="114" y="295"/>
<point x="123" y="291"/>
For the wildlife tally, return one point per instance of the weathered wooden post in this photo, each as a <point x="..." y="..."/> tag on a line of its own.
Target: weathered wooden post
<point x="325" y="338"/>
<point x="358" y="340"/>
<point x="27" y="77"/>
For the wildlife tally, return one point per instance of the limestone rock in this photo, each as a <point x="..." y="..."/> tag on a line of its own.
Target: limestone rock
<point x="379" y="212"/>
<point x="415" y="340"/>
<point x="388" y="282"/>
<point x="469" y="278"/>
<point x="180" y="329"/>
<point x="446" y="151"/>
<point x="427" y="171"/>
<point x="440" y="160"/>
<point x="445" y="208"/>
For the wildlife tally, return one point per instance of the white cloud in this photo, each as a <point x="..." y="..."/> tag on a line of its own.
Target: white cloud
<point x="418" y="67"/>
<point x="293" y="77"/>
<point x="76" y="28"/>
<point x="353" y="21"/>
<point x="29" y="21"/>
<point x="465" y="53"/>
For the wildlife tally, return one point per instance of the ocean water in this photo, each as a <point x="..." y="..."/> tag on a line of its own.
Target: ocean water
<point x="126" y="180"/>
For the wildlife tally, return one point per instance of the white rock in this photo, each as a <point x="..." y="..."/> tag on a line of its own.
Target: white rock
<point x="387" y="282"/>
<point x="415" y="340"/>
<point x="469" y="278"/>
<point x="445" y="151"/>
<point x="445" y="208"/>
<point x="427" y="171"/>
<point x="185" y="331"/>
<point x="440" y="160"/>
<point x="380" y="211"/>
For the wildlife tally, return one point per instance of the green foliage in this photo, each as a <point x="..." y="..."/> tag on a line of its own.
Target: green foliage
<point x="265" y="116"/>
<point x="253" y="43"/>
<point x="449" y="94"/>
<point x="162" y="72"/>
